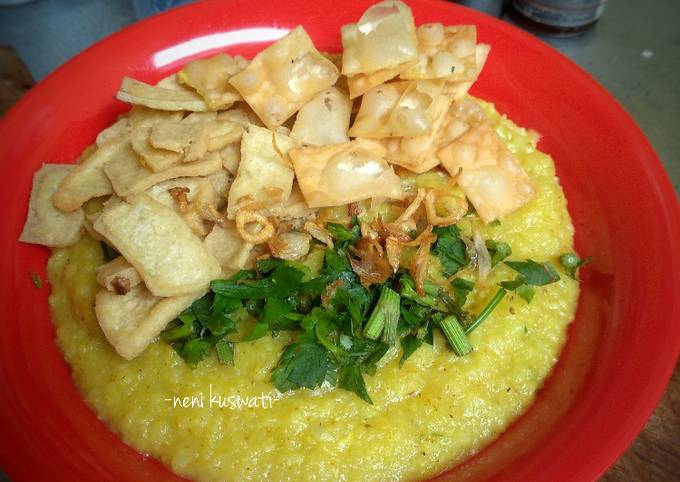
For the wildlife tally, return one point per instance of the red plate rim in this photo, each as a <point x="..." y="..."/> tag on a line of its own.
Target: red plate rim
<point x="17" y="446"/>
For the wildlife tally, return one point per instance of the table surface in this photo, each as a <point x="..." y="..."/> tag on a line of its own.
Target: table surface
<point x="634" y="51"/>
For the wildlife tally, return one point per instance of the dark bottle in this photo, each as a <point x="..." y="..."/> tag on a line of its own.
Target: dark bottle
<point x="559" y="17"/>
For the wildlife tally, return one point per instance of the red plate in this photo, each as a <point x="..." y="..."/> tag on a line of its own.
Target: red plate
<point x="623" y="345"/>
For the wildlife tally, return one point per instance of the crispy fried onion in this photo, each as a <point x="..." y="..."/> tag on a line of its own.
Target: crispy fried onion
<point x="393" y="249"/>
<point x="368" y="262"/>
<point x="209" y="213"/>
<point x="179" y="194"/>
<point x="386" y="230"/>
<point x="454" y="213"/>
<point x="289" y="245"/>
<point x="408" y="213"/>
<point x="418" y="266"/>
<point x="261" y="230"/>
<point x="319" y="233"/>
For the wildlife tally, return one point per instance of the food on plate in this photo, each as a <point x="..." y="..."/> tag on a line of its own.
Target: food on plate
<point x="267" y="269"/>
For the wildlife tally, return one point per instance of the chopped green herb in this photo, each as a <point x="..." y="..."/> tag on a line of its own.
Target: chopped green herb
<point x="302" y="364"/>
<point x="36" y="279"/>
<point x="486" y="311"/>
<point x="450" y="249"/>
<point x="194" y="350"/>
<point x="343" y="328"/>
<point x="408" y="291"/>
<point x="385" y="315"/>
<point x="571" y="263"/>
<point x="350" y="378"/>
<point x="259" y="330"/>
<point x="519" y="286"/>
<point x="177" y="333"/>
<point x="533" y="273"/>
<point x="455" y="335"/>
<point x="341" y="233"/>
<point x="225" y="352"/>
<point x="283" y="280"/>
<point x="409" y="344"/>
<point x="498" y="251"/>
<point x="461" y="289"/>
<point x="530" y="274"/>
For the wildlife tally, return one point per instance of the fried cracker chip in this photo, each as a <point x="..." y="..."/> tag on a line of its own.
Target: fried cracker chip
<point x="295" y="207"/>
<point x="336" y="58"/>
<point x="118" y="276"/>
<point x="132" y="321"/>
<point x="241" y="114"/>
<point x="359" y="84"/>
<point x="193" y="137"/>
<point x="380" y="46"/>
<point x="140" y="116"/>
<point x="227" y="245"/>
<point x="283" y="77"/>
<point x="397" y="109"/>
<point x="384" y="38"/>
<point x="324" y="119"/>
<point x="154" y="239"/>
<point x="445" y="53"/>
<point x="479" y="146"/>
<point x="496" y="190"/>
<point x="419" y="153"/>
<point x="263" y="176"/>
<point x="129" y="177"/>
<point x="115" y="131"/>
<point x="344" y="173"/>
<point x="45" y="224"/>
<point x="231" y="157"/>
<point x="135" y="92"/>
<point x="88" y="180"/>
<point x="149" y="156"/>
<point x="178" y="135"/>
<point x="457" y="90"/>
<point x="210" y="78"/>
<point x="220" y="182"/>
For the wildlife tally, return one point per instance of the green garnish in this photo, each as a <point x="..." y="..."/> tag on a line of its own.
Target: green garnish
<point x="385" y="316"/>
<point x="36" y="279"/>
<point x="225" y="352"/>
<point x="409" y="345"/>
<point x="341" y="328"/>
<point x="455" y="335"/>
<point x="533" y="273"/>
<point x="483" y="315"/>
<point x="530" y="274"/>
<point x="461" y="289"/>
<point x="571" y="263"/>
<point x="498" y="251"/>
<point x="408" y="291"/>
<point x="450" y="249"/>
<point x="350" y="378"/>
<point x="341" y="233"/>
<point x="302" y="364"/>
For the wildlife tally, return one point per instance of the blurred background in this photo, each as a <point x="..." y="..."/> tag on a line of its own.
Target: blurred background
<point x="631" y="47"/>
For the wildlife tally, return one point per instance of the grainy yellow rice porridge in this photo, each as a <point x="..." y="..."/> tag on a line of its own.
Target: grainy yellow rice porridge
<point x="433" y="412"/>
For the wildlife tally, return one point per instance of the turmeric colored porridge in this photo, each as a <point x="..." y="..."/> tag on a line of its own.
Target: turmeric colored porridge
<point x="311" y="266"/>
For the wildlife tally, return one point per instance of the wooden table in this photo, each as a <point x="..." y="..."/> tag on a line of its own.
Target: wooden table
<point x="655" y="454"/>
